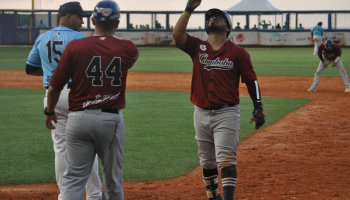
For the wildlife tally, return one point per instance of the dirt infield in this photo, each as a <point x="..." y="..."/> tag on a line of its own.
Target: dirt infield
<point x="304" y="155"/>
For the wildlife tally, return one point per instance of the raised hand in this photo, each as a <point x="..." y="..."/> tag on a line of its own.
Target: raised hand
<point x="192" y="4"/>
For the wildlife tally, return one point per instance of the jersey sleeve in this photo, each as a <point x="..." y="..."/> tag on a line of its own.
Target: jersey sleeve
<point x="246" y="67"/>
<point x="338" y="50"/>
<point x="34" y="56"/>
<point x="63" y="71"/>
<point x="133" y="53"/>
<point x="190" y="46"/>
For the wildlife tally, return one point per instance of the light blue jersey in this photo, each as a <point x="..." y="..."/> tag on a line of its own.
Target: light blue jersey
<point x="317" y="30"/>
<point x="48" y="49"/>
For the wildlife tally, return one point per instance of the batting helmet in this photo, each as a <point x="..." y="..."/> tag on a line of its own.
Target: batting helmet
<point x="216" y="11"/>
<point x="328" y="45"/>
<point x="106" y="11"/>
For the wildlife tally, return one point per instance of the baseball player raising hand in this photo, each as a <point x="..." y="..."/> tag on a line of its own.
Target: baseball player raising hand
<point x="218" y="65"/>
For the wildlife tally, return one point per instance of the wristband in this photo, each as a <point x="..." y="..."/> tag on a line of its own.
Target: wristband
<point x="189" y="10"/>
<point x="48" y="114"/>
<point x="337" y="59"/>
<point x="186" y="15"/>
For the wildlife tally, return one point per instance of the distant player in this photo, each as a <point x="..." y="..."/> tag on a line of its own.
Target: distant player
<point x="43" y="60"/>
<point x="330" y="53"/>
<point x="316" y="35"/>
<point x="98" y="66"/>
<point x="218" y="66"/>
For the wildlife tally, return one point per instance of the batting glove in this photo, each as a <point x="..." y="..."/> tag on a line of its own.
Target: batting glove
<point x="192" y="4"/>
<point x="258" y="116"/>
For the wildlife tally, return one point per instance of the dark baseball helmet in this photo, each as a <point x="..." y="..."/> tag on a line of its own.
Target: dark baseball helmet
<point x="328" y="45"/>
<point x="216" y="11"/>
<point x="106" y="11"/>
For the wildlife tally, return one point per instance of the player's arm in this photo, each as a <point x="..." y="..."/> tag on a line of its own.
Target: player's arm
<point x="59" y="79"/>
<point x="254" y="93"/>
<point x="179" y="32"/>
<point x="33" y="64"/>
<point x="52" y="98"/>
<point x="338" y="53"/>
<point x="34" y="71"/>
<point x="319" y="53"/>
<point x="258" y="114"/>
<point x="312" y="34"/>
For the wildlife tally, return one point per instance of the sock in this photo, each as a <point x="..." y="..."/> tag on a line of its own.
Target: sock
<point x="229" y="177"/>
<point x="210" y="179"/>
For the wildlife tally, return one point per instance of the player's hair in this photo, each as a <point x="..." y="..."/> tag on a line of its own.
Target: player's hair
<point x="105" y="26"/>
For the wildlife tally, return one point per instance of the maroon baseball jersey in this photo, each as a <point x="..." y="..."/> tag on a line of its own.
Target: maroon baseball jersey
<point x="215" y="78"/>
<point x="330" y="55"/>
<point x="98" y="67"/>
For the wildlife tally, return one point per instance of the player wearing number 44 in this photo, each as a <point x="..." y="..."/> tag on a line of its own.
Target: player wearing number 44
<point x="98" y="66"/>
<point x="42" y="61"/>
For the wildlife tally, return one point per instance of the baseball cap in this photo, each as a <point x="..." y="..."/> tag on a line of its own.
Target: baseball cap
<point x="73" y="8"/>
<point x="216" y="11"/>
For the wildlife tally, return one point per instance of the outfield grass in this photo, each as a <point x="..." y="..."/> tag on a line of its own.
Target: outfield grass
<point x="272" y="61"/>
<point x="160" y="141"/>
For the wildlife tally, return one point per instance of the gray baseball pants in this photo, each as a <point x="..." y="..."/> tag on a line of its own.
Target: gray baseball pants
<point x="93" y="185"/>
<point x="89" y="132"/>
<point x="217" y="135"/>
<point x="339" y="66"/>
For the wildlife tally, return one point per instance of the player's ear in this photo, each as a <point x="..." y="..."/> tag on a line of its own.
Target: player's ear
<point x="93" y="21"/>
<point x="116" y="24"/>
<point x="68" y="16"/>
<point x="228" y="29"/>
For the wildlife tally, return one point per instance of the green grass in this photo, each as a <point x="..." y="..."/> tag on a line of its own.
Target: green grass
<point x="271" y="61"/>
<point x="160" y="140"/>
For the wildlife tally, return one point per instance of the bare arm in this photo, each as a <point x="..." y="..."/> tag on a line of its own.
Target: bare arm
<point x="52" y="99"/>
<point x="179" y="32"/>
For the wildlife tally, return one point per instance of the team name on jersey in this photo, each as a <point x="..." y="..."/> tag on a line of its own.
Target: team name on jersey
<point x="328" y="54"/>
<point x="214" y="64"/>
<point x="101" y="99"/>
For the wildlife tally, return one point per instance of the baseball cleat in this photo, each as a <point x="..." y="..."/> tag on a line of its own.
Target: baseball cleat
<point x="313" y="90"/>
<point x="347" y="90"/>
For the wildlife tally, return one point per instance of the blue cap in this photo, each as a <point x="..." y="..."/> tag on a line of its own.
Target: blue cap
<point x="328" y="45"/>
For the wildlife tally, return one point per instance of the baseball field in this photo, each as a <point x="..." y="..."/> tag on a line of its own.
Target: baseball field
<point x="302" y="151"/>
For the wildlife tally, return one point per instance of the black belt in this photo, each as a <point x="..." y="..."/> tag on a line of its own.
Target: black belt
<point x="69" y="85"/>
<point x="103" y="110"/>
<point x="219" y="107"/>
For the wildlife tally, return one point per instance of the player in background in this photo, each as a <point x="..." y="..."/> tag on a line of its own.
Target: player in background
<point x="218" y="65"/>
<point x="330" y="53"/>
<point x="98" y="66"/>
<point x="43" y="60"/>
<point x="316" y="36"/>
